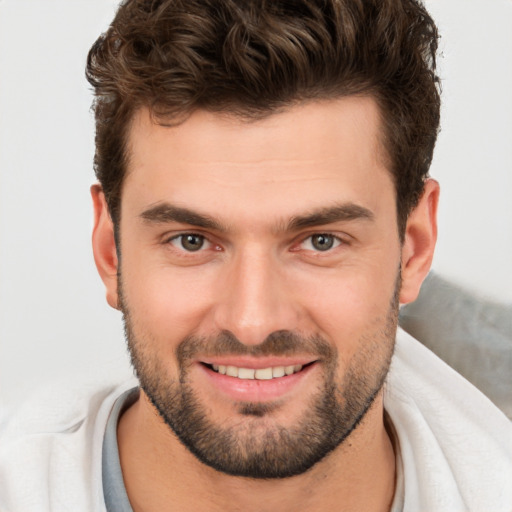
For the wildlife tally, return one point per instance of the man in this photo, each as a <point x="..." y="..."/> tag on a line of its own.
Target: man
<point x="263" y="208"/>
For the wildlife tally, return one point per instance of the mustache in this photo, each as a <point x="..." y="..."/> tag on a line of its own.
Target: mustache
<point x="278" y="343"/>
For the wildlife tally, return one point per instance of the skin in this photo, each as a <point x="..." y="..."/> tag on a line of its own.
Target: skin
<point x="259" y="273"/>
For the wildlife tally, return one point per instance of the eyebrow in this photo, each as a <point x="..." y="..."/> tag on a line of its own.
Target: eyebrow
<point x="163" y="213"/>
<point x="329" y="215"/>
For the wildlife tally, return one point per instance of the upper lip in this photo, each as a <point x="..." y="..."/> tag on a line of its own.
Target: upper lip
<point x="257" y="362"/>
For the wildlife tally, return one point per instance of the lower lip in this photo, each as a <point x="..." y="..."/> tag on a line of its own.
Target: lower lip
<point x="253" y="390"/>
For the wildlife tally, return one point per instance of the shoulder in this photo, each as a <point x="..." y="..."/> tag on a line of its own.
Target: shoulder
<point x="456" y="445"/>
<point x="50" y="449"/>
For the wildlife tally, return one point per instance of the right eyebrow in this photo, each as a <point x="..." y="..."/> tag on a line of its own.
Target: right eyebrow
<point x="165" y="213"/>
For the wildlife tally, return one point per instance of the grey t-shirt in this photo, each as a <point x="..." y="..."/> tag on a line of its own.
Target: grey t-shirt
<point x="114" y="490"/>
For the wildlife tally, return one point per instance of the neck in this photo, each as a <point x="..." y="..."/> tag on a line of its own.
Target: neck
<point x="160" y="474"/>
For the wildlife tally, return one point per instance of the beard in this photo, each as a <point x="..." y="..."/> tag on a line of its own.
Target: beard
<point x="256" y="446"/>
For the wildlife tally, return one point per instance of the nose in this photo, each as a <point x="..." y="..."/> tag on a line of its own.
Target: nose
<point x="255" y="298"/>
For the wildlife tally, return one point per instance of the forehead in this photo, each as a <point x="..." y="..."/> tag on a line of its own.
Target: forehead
<point x="337" y="123"/>
<point x="310" y="151"/>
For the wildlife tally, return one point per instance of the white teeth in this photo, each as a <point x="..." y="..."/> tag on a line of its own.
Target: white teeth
<point x="259" y="374"/>
<point x="278" y="371"/>
<point x="263" y="373"/>
<point x="246" y="373"/>
<point x="232" y="371"/>
<point x="289" y="369"/>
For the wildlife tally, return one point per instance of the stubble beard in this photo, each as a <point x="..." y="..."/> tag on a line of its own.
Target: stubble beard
<point x="257" y="447"/>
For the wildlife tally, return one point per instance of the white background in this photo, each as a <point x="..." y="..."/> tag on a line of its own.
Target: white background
<point x="54" y="320"/>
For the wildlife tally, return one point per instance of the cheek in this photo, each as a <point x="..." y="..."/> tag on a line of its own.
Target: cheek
<point x="349" y="304"/>
<point x="166" y="301"/>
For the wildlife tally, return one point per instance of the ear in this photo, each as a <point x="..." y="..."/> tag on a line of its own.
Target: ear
<point x="104" y="246"/>
<point x="419" y="242"/>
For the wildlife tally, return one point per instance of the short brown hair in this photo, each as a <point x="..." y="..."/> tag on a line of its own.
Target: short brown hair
<point x="255" y="57"/>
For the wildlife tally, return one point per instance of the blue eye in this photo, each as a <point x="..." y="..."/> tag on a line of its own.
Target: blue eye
<point x="321" y="242"/>
<point x="190" y="242"/>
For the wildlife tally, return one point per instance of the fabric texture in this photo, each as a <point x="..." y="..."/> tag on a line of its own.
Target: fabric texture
<point x="50" y="451"/>
<point x="469" y="332"/>
<point x="455" y="445"/>
<point x="114" y="490"/>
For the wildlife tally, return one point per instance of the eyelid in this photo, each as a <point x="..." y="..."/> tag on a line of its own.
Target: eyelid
<point x="339" y="241"/>
<point x="207" y="243"/>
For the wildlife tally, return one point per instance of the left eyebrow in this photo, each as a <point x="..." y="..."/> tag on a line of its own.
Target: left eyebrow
<point x="329" y="215"/>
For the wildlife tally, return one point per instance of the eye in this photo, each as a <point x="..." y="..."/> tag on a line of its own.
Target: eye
<point x="321" y="242"/>
<point x="190" y="242"/>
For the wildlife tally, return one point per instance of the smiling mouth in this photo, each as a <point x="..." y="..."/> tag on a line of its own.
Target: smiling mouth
<point x="273" y="372"/>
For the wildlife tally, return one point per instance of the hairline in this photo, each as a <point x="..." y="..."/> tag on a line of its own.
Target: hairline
<point x="249" y="116"/>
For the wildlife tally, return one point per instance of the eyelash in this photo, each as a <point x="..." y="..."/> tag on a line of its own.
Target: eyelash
<point x="179" y="239"/>
<point x="336" y="242"/>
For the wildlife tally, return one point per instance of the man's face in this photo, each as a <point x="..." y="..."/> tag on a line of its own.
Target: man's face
<point x="259" y="278"/>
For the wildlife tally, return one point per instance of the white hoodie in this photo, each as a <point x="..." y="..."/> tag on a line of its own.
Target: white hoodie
<point x="455" y="445"/>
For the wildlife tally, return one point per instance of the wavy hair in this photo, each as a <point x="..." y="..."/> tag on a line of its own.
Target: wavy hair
<point x="252" y="58"/>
